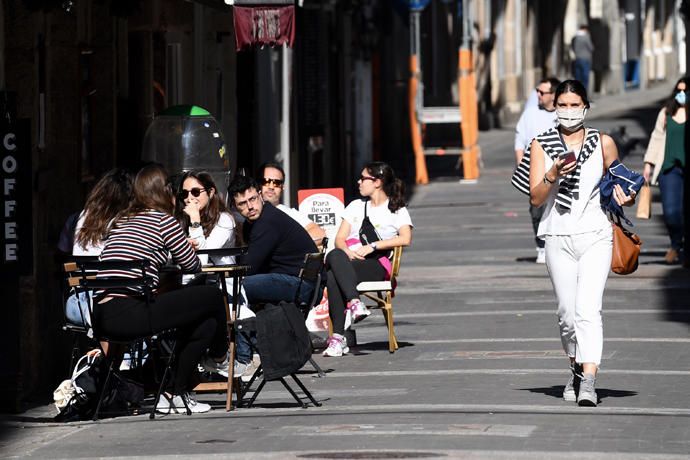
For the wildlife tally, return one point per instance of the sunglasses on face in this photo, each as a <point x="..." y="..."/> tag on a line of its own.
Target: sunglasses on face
<point x="195" y="193"/>
<point x="272" y="182"/>
<point x="541" y="93"/>
<point x="363" y="178"/>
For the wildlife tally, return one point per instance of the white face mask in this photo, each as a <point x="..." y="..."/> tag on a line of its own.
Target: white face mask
<point x="571" y="119"/>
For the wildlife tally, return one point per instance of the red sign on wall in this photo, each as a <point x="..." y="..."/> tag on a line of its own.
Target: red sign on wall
<point x="264" y="26"/>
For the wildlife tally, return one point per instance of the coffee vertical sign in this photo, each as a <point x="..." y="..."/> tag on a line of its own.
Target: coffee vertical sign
<point x="15" y="180"/>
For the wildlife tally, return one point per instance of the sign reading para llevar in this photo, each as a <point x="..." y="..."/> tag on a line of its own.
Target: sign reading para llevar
<point x="15" y="177"/>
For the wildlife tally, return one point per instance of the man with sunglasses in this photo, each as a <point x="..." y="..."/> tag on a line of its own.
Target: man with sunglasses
<point x="272" y="177"/>
<point x="534" y="121"/>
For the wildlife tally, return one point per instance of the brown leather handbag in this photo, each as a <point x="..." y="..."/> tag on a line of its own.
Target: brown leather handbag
<point x="626" y="250"/>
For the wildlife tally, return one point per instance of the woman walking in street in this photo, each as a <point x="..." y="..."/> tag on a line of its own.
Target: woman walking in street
<point x="664" y="163"/>
<point x="370" y="229"/>
<point x="566" y="167"/>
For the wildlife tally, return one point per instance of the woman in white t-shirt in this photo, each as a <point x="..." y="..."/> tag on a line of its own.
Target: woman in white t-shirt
<point x="363" y="255"/>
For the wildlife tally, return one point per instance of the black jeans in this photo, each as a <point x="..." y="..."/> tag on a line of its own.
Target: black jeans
<point x="343" y="276"/>
<point x="197" y="312"/>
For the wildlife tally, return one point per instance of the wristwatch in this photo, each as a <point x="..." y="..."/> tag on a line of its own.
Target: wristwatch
<point x="373" y="246"/>
<point x="195" y="224"/>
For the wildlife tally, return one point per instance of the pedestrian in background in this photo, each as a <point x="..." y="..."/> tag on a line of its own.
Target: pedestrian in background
<point x="582" y="48"/>
<point x="664" y="163"/>
<point x="567" y="163"/>
<point x="535" y="120"/>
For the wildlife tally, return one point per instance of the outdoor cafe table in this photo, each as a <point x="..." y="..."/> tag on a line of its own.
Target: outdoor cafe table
<point x="236" y="272"/>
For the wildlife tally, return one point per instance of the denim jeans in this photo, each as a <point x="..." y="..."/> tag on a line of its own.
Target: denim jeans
<point x="268" y="288"/>
<point x="671" y="185"/>
<point x="274" y="287"/>
<point x="581" y="68"/>
<point x="77" y="309"/>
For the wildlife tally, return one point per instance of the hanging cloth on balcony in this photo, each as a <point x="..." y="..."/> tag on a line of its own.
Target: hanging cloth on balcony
<point x="264" y="26"/>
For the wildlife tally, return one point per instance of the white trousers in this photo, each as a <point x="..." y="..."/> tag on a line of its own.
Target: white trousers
<point x="579" y="266"/>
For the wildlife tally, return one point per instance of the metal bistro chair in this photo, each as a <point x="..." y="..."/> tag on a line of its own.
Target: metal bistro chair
<point x="89" y="282"/>
<point x="312" y="272"/>
<point x="381" y="292"/>
<point x="70" y="278"/>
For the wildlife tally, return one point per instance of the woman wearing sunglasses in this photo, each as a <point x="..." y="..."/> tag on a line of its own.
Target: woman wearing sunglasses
<point x="209" y="225"/>
<point x="370" y="228"/>
<point x="203" y="214"/>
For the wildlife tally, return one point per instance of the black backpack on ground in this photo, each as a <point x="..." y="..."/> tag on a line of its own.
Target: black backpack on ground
<point x="283" y="339"/>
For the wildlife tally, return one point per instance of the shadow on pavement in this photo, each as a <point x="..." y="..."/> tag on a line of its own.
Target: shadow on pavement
<point x="378" y="346"/>
<point x="676" y="295"/>
<point x="531" y="260"/>
<point x="556" y="391"/>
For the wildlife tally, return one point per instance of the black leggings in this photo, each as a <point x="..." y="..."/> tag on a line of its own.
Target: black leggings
<point x="343" y="276"/>
<point x="197" y="312"/>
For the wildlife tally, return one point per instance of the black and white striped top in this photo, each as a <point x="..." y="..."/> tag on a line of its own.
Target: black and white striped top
<point x="551" y="142"/>
<point x="152" y="235"/>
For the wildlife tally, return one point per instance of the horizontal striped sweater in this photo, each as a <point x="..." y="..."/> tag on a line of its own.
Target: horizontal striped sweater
<point x="151" y="235"/>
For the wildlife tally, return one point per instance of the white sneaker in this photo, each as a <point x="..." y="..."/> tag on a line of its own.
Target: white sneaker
<point x="211" y="365"/>
<point x="541" y="256"/>
<point x="358" y="310"/>
<point x="175" y="404"/>
<point x="239" y="369"/>
<point x="337" y="346"/>
<point x="251" y="368"/>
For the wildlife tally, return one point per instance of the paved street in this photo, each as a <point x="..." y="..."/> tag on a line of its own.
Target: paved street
<point x="480" y="370"/>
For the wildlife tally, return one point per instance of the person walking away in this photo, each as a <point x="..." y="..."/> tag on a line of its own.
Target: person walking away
<point x="664" y="164"/>
<point x="533" y="121"/>
<point x="578" y="234"/>
<point x="582" y="48"/>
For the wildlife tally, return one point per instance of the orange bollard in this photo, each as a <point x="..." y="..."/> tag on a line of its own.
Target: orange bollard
<point x="468" y="108"/>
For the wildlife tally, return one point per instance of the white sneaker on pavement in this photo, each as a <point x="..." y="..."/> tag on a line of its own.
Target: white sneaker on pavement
<point x="175" y="404"/>
<point x="337" y="346"/>
<point x="541" y="256"/>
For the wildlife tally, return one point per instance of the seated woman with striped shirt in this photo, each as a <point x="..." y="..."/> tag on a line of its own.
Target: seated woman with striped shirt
<point x="148" y="230"/>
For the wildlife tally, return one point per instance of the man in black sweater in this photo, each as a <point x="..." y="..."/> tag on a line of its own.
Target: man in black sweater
<point x="277" y="245"/>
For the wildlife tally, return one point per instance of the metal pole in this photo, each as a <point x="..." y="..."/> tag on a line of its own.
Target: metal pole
<point x="415" y="102"/>
<point x="285" y="122"/>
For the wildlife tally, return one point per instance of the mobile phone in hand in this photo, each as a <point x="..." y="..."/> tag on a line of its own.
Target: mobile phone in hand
<point x="568" y="156"/>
